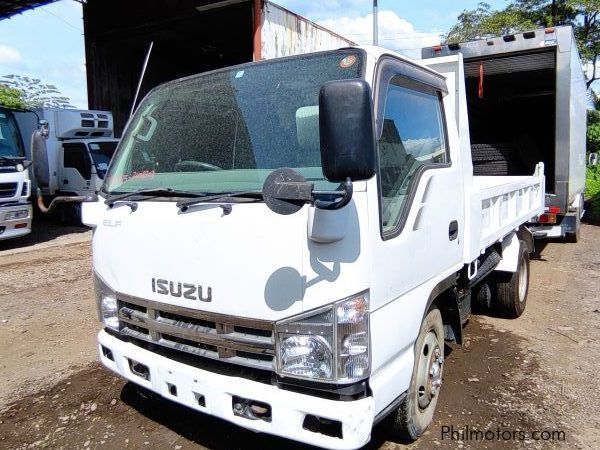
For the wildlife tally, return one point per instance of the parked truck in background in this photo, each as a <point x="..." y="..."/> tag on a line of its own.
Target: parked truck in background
<point x="15" y="186"/>
<point x="77" y="147"/>
<point x="526" y="102"/>
<point x="287" y="244"/>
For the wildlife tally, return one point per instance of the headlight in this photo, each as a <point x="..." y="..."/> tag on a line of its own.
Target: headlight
<point x="106" y="300"/>
<point x="329" y="344"/>
<point x="15" y="215"/>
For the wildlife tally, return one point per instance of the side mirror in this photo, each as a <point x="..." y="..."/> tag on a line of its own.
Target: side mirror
<point x="39" y="153"/>
<point x="44" y="127"/>
<point x="347" y="130"/>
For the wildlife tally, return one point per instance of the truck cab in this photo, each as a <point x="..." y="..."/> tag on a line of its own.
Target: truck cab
<point x="77" y="148"/>
<point x="287" y="244"/>
<point x="83" y="164"/>
<point x="15" y="186"/>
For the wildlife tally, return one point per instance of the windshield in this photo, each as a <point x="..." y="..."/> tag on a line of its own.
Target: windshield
<point x="10" y="138"/>
<point x="101" y="153"/>
<point x="227" y="130"/>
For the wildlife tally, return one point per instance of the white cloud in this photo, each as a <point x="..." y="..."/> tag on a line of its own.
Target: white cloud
<point x="326" y="9"/>
<point x="395" y="32"/>
<point x="9" y="55"/>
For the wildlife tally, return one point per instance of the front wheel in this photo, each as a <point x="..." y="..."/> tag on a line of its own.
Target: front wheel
<point x="416" y="410"/>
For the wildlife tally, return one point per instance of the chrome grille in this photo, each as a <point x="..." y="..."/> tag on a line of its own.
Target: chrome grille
<point x="8" y="190"/>
<point x="239" y="340"/>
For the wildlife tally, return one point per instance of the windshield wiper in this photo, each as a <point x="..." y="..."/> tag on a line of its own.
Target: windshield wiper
<point x="185" y="204"/>
<point x="154" y="192"/>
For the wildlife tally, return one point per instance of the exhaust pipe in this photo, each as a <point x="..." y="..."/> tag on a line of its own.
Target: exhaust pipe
<point x="63" y="199"/>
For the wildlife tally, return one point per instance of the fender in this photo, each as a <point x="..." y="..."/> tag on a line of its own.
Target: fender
<point x="510" y="253"/>
<point x="445" y="296"/>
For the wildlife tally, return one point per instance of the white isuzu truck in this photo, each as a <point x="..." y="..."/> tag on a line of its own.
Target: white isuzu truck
<point x="287" y="244"/>
<point x="15" y="186"/>
<point x="72" y="149"/>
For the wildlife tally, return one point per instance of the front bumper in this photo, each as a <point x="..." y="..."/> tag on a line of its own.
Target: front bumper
<point x="15" y="227"/>
<point x="288" y="409"/>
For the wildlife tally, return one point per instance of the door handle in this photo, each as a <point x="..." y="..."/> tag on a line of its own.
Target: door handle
<point x="453" y="230"/>
<point x="65" y="181"/>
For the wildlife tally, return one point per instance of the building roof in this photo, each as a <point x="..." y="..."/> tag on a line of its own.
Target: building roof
<point x="9" y="8"/>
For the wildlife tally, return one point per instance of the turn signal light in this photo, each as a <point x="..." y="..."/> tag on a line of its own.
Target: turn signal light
<point x="553" y="210"/>
<point x="547" y="218"/>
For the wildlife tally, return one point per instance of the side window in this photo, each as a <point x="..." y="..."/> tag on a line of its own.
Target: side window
<point x="76" y="157"/>
<point x="412" y="136"/>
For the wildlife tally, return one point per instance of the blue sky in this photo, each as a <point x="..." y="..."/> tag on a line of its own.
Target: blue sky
<point x="47" y="43"/>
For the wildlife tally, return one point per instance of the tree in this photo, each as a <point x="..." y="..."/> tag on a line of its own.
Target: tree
<point x="522" y="15"/>
<point x="11" y="98"/>
<point x="35" y="93"/>
<point x="483" y="21"/>
<point x="593" y="126"/>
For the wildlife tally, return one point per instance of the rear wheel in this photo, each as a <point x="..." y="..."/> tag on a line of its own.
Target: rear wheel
<point x="512" y="288"/>
<point x="416" y="410"/>
<point x="573" y="238"/>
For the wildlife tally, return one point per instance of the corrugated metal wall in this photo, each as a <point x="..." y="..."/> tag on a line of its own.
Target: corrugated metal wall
<point x="285" y="33"/>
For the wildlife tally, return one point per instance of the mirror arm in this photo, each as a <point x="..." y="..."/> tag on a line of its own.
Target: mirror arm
<point x="66" y="199"/>
<point x="343" y="199"/>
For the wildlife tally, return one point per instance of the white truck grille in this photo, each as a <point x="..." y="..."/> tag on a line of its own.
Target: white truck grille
<point x="8" y="190"/>
<point x="248" y="342"/>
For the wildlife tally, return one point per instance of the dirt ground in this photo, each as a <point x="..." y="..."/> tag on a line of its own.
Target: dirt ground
<point x="525" y="383"/>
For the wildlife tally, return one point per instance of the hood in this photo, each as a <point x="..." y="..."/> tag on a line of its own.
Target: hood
<point x="249" y="262"/>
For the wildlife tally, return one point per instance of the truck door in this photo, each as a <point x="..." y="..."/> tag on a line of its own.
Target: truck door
<point x="76" y="170"/>
<point x="421" y="189"/>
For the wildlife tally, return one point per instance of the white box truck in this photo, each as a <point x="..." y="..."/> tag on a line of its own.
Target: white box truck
<point x="287" y="244"/>
<point x="15" y="186"/>
<point x="526" y="97"/>
<point x="72" y="149"/>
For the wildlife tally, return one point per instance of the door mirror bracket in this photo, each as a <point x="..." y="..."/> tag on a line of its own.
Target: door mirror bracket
<point x="285" y="191"/>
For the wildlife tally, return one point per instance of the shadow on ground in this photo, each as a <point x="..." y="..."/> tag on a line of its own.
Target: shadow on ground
<point x="592" y="210"/>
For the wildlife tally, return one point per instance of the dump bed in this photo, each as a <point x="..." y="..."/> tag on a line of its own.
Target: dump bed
<point x="496" y="205"/>
<point x="502" y="204"/>
<point x="526" y="97"/>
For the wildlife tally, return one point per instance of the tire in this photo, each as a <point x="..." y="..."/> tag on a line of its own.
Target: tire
<point x="415" y="413"/>
<point x="71" y="214"/>
<point x="573" y="238"/>
<point x="511" y="289"/>
<point x="495" y="158"/>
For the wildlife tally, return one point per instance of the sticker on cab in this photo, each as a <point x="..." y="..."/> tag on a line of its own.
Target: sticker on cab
<point x="348" y="62"/>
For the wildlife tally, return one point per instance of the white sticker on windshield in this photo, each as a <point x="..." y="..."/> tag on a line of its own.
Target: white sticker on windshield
<point x="102" y="166"/>
<point x="239" y="74"/>
<point x="94" y="147"/>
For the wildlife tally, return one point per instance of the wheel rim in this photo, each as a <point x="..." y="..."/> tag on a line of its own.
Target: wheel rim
<point x="429" y="372"/>
<point x="523" y="274"/>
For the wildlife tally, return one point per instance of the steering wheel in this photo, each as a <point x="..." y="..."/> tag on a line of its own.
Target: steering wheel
<point x="195" y="166"/>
